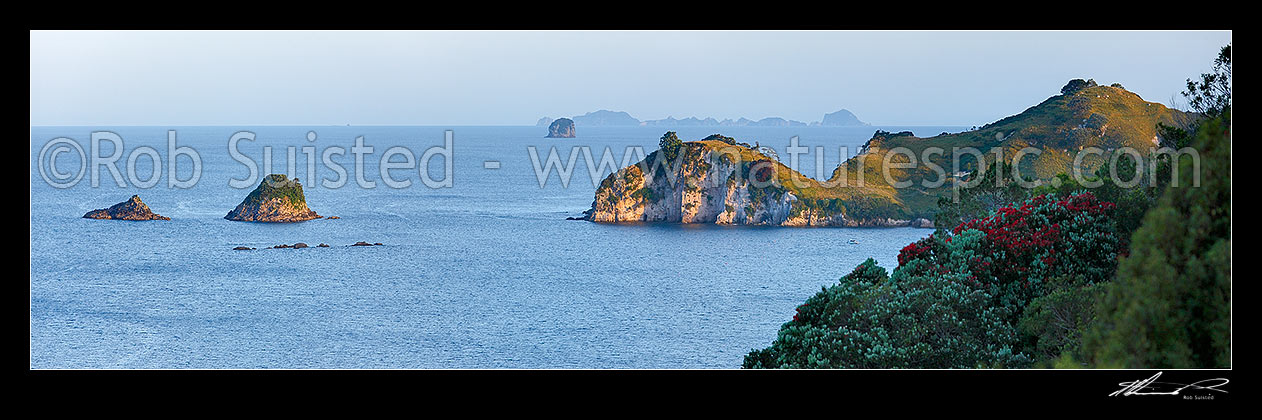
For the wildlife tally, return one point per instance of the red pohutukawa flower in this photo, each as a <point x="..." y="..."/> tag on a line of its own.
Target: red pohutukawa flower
<point x="1028" y="243"/>
<point x="915" y="250"/>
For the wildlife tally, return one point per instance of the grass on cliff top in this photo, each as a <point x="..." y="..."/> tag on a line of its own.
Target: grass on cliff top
<point x="860" y="200"/>
<point x="1062" y="124"/>
<point x="1101" y="116"/>
<point x="277" y="185"/>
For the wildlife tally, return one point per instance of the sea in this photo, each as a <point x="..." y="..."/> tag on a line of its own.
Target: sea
<point x="478" y="267"/>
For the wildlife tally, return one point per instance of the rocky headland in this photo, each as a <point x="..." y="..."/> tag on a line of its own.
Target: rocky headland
<point x="719" y="182"/>
<point x="722" y="181"/>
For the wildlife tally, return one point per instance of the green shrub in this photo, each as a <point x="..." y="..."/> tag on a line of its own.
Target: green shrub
<point x="958" y="296"/>
<point x="670" y="145"/>
<point x="720" y="137"/>
<point x="1170" y="306"/>
<point x="907" y="321"/>
<point x="1053" y="325"/>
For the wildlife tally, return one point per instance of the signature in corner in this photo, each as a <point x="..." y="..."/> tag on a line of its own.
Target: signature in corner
<point x="1150" y="386"/>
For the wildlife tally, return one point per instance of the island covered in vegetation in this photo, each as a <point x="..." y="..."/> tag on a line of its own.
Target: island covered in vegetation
<point x="277" y="199"/>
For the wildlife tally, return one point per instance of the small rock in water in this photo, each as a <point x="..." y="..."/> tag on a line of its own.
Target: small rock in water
<point x="377" y="243"/>
<point x="332" y="217"/>
<point x="322" y="246"/>
<point x="282" y="246"/>
<point x="242" y="248"/>
<point x="361" y="243"/>
<point x="561" y="127"/>
<point x="300" y="245"/>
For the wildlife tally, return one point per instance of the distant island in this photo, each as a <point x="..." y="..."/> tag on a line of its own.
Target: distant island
<point x="708" y="187"/>
<point x="840" y="118"/>
<point x="606" y="118"/>
<point x="277" y="199"/>
<point x="132" y="209"/>
<point x="561" y="128"/>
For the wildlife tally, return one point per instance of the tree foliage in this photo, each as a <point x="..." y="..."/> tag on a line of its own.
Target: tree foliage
<point x="670" y="145"/>
<point x="908" y="321"/>
<point x="720" y="137"/>
<point x="1212" y="94"/>
<point x="1170" y="304"/>
<point x="995" y="188"/>
<point x="1076" y="85"/>
<point x="958" y="297"/>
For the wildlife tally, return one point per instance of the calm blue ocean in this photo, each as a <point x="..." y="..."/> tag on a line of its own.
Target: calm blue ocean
<point x="486" y="274"/>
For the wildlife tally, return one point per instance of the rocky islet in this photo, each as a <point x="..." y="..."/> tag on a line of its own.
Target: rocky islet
<point x="132" y="209"/>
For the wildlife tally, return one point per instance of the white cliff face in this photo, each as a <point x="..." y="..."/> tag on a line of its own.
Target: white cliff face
<point x="694" y="193"/>
<point x="705" y="188"/>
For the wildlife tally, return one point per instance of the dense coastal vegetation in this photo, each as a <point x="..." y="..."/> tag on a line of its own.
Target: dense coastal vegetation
<point x="1134" y="276"/>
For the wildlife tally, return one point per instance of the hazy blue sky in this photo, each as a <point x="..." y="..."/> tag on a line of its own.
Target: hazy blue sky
<point x="513" y="78"/>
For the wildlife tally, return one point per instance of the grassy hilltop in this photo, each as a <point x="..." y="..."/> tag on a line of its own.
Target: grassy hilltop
<point x="1105" y="117"/>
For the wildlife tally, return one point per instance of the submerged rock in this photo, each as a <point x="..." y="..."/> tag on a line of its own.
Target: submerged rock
<point x="586" y="215"/>
<point x="132" y="209"/>
<point x="299" y="245"/>
<point x="277" y="199"/>
<point x="562" y="127"/>
<point x="243" y="248"/>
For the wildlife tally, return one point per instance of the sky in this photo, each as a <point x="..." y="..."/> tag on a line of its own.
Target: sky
<point x="959" y="78"/>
